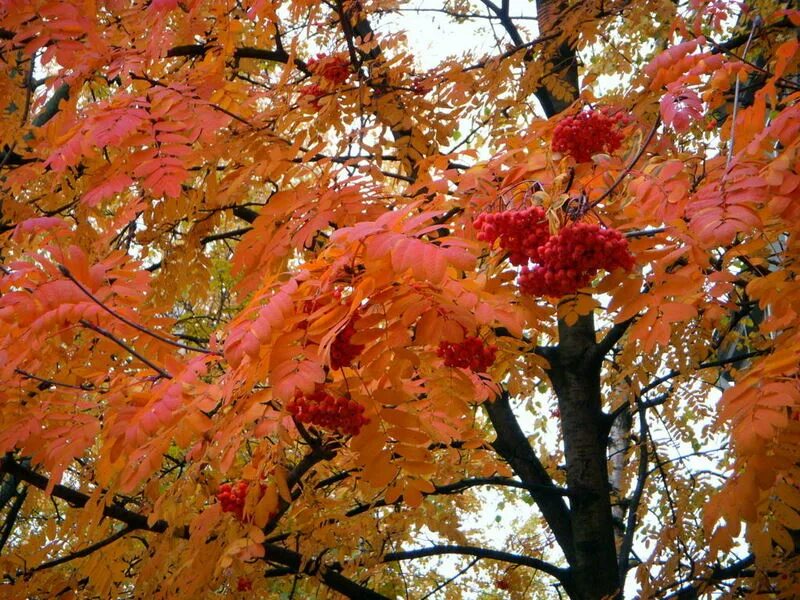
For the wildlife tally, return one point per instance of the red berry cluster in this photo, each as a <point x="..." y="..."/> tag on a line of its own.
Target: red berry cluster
<point x="343" y="352"/>
<point x="314" y="91"/>
<point x="231" y="497"/>
<point x="333" y="68"/>
<point x="587" y="133"/>
<point x="569" y="260"/>
<point x="244" y="585"/>
<point x="321" y="409"/>
<point x="313" y="304"/>
<point x="471" y="353"/>
<point x="521" y="232"/>
<point x="420" y="86"/>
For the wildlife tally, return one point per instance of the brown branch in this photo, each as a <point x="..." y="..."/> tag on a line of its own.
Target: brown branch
<point x="614" y="335"/>
<point x="244" y="213"/>
<point x="245" y="52"/>
<point x="718" y="574"/>
<point x="224" y="235"/>
<point x="630" y="166"/>
<point x="127" y="347"/>
<point x="11" y="517"/>
<point x="76" y="498"/>
<point x="641" y="478"/>
<point x="559" y="573"/>
<point x="704" y="365"/>
<point x="66" y="272"/>
<point x="294" y="560"/>
<point x="450" y="580"/>
<point x="512" y="444"/>
<point x="51" y="107"/>
<point x="644" y="232"/>
<point x="83" y="552"/>
<point x="52" y="382"/>
<point x="464" y="484"/>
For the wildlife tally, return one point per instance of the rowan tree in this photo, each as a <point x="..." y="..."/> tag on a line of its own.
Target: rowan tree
<point x="280" y="301"/>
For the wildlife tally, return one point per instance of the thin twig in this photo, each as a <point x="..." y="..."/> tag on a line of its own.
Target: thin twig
<point x="451" y="579"/>
<point x="636" y="498"/>
<point x="53" y="382"/>
<point x="127" y="347"/>
<point x="628" y="169"/>
<point x="84" y="552"/>
<point x="644" y="232"/>
<point x="736" y="99"/>
<point x="136" y="326"/>
<point x="517" y="559"/>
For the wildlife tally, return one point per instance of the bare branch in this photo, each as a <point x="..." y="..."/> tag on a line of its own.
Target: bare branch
<point x="641" y="478"/>
<point x="610" y="340"/>
<point x="718" y="574"/>
<point x="127" y="347"/>
<point x="630" y="166"/>
<point x="704" y="365"/>
<point x="291" y="559"/>
<point x="52" y="382"/>
<point x="83" y="552"/>
<point x="66" y="272"/>
<point x="514" y="447"/>
<point x="450" y="580"/>
<point x="516" y="559"/>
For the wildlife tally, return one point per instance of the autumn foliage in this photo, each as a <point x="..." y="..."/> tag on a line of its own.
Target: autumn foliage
<point x="290" y="304"/>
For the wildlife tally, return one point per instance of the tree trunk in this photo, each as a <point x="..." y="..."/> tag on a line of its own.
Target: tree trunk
<point x="576" y="382"/>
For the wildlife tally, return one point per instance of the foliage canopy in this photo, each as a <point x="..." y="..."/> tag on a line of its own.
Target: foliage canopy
<point x="279" y="301"/>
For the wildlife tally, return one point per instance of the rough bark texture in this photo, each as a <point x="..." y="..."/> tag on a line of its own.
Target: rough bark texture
<point x="575" y="374"/>
<point x="576" y="381"/>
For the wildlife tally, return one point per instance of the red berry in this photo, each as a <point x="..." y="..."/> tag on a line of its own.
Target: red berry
<point x="587" y="133"/>
<point x="343" y="353"/>
<point x="521" y="232"/>
<point x="232" y="497"/>
<point x="244" y="585"/>
<point x="323" y="410"/>
<point x="315" y="92"/>
<point x="471" y="353"/>
<point x="570" y="259"/>
<point x="334" y="69"/>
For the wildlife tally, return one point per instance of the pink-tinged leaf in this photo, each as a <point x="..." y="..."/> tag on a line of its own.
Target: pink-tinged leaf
<point x="292" y="375"/>
<point x="673" y="62"/>
<point x="680" y="108"/>
<point x="30" y="227"/>
<point x="109" y="187"/>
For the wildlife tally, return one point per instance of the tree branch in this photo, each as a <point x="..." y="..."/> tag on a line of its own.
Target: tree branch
<point x="224" y="235"/>
<point x="460" y="486"/>
<point x="514" y="447"/>
<point x="66" y="272"/>
<point x="450" y="580"/>
<point x="43" y="381"/>
<point x="272" y="552"/>
<point x="83" y="552"/>
<point x="614" y="335"/>
<point x="125" y="346"/>
<point x="641" y="478"/>
<point x="704" y="365"/>
<point x="51" y="107"/>
<point x="630" y="166"/>
<point x="517" y="559"/>
<point x="76" y="498"/>
<point x="718" y="573"/>
<point x="11" y="517"/>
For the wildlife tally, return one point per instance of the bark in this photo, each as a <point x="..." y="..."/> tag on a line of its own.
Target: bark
<point x="575" y="366"/>
<point x="575" y="376"/>
<point x="618" y="446"/>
